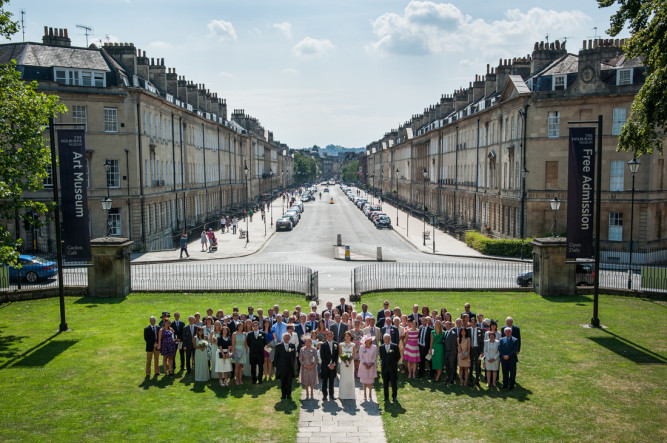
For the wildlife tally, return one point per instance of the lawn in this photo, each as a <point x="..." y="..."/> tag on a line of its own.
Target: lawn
<point x="573" y="383"/>
<point x="88" y="383"/>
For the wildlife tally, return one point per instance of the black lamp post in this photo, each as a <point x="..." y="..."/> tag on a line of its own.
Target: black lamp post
<point x="634" y="167"/>
<point x="373" y="188"/>
<point x="425" y="174"/>
<point x="271" y="174"/>
<point x="396" y="196"/>
<point x="283" y="197"/>
<point x="106" y="202"/>
<point x="247" y="232"/>
<point x="555" y="206"/>
<point x="524" y="174"/>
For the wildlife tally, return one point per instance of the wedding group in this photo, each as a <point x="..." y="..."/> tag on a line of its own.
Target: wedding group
<point x="337" y="342"/>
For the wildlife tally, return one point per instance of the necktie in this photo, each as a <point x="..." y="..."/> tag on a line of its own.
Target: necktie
<point x="192" y="330"/>
<point x="331" y="348"/>
<point x="256" y="334"/>
<point x="387" y="348"/>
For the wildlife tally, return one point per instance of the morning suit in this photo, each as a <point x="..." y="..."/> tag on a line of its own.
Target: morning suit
<point x="338" y="330"/>
<point x="189" y="332"/>
<point x="177" y="326"/>
<point x="380" y="318"/>
<point x="476" y="348"/>
<point x="256" y="353"/>
<point x="411" y="317"/>
<point x="302" y="329"/>
<point x="342" y="308"/>
<point x="393" y="331"/>
<point x="328" y="355"/>
<point x="284" y="361"/>
<point x="374" y="331"/>
<point x="451" y="351"/>
<point x="508" y="346"/>
<point x="424" y="341"/>
<point x="389" y="361"/>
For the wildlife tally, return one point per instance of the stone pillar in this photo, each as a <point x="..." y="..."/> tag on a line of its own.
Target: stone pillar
<point x="551" y="275"/>
<point x="109" y="275"/>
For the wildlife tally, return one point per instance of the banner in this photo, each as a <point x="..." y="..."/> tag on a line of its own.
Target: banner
<point x="74" y="194"/>
<point x="580" y="186"/>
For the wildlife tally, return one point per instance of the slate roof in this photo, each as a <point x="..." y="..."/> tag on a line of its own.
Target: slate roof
<point x="567" y="64"/>
<point x="31" y="54"/>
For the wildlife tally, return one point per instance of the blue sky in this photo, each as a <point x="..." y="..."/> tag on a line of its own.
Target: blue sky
<point x="324" y="71"/>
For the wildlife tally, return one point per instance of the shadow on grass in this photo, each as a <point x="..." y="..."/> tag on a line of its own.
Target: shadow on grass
<point x="287" y="407"/>
<point x="628" y="349"/>
<point x="580" y="300"/>
<point x="519" y="392"/>
<point x="93" y="302"/>
<point x="37" y="356"/>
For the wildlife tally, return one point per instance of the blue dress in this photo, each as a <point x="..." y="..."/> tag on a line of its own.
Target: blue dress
<point x="168" y="345"/>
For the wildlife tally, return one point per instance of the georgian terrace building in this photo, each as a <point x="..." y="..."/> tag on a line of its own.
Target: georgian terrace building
<point x="475" y="143"/>
<point x="176" y="160"/>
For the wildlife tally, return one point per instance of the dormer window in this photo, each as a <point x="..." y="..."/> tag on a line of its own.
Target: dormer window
<point x="79" y="77"/>
<point x="560" y="82"/>
<point x="624" y="77"/>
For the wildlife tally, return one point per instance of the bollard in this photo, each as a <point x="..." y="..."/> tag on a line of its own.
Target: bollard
<point x="347" y="253"/>
<point x="379" y="253"/>
<point x="339" y="240"/>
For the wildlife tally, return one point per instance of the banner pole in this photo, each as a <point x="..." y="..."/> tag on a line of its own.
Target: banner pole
<point x="56" y="212"/>
<point x="595" y="321"/>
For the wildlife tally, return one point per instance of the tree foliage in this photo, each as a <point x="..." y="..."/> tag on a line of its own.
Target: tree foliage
<point x="24" y="152"/>
<point x="305" y="168"/>
<point x="644" y="131"/>
<point x="349" y="171"/>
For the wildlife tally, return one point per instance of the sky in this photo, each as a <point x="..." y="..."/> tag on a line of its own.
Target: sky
<point x="324" y="72"/>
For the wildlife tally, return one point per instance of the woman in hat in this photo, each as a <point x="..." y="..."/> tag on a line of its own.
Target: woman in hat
<point x="368" y="356"/>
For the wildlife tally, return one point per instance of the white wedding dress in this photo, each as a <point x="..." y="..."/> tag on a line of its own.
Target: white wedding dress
<point x="346" y="385"/>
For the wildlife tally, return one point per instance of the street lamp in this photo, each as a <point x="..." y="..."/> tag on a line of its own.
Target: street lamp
<point x="282" y="172"/>
<point x="373" y="188"/>
<point x="634" y="167"/>
<point x="106" y="202"/>
<point x="524" y="173"/>
<point x="247" y="232"/>
<point x="425" y="174"/>
<point x="555" y="206"/>
<point x="397" y="197"/>
<point x="271" y="193"/>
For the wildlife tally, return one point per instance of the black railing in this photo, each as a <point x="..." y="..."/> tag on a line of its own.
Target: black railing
<point x="438" y="276"/>
<point x="75" y="274"/>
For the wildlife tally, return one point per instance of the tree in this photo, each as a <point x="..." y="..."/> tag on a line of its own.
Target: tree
<point x="349" y="171"/>
<point x="24" y="152"/>
<point x="647" y="21"/>
<point x="305" y="168"/>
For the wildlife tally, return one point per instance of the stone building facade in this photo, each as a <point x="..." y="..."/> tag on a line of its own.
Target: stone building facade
<point x="477" y="144"/>
<point x="176" y="160"/>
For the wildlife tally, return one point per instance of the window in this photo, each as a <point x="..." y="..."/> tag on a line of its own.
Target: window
<point x="114" y="221"/>
<point x="48" y="180"/>
<point x="618" y="121"/>
<point x="113" y="174"/>
<point x="624" y="77"/>
<point x="551" y="175"/>
<point x="560" y="82"/>
<point x="78" y="77"/>
<point x="615" y="226"/>
<point x="616" y="175"/>
<point x="553" y="124"/>
<point x="110" y="120"/>
<point x="79" y="115"/>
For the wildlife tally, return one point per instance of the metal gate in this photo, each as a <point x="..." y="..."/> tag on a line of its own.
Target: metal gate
<point x="314" y="286"/>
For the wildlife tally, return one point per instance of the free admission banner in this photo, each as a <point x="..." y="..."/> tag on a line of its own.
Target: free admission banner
<point x="581" y="173"/>
<point x="74" y="196"/>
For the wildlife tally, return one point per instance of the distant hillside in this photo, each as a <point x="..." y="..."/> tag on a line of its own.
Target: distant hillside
<point x="335" y="150"/>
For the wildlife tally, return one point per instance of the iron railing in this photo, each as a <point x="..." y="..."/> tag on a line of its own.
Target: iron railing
<point x="75" y="274"/>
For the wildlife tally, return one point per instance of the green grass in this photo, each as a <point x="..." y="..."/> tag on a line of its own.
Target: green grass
<point x="88" y="384"/>
<point x="574" y="384"/>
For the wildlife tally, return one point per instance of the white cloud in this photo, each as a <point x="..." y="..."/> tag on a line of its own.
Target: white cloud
<point x="426" y="27"/>
<point x="285" y="28"/>
<point x="226" y="74"/>
<point x="290" y="71"/>
<point x="222" y="29"/>
<point x="159" y="45"/>
<point x="310" y="47"/>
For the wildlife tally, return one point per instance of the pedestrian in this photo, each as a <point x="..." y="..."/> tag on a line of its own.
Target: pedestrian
<point x="263" y="214"/>
<point x="234" y="223"/>
<point x="250" y="215"/>
<point x="223" y="222"/>
<point x="184" y="244"/>
<point x="228" y="223"/>
<point x="204" y="246"/>
<point x="209" y="237"/>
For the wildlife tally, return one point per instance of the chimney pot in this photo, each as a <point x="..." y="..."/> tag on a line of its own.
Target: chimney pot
<point x="162" y="62"/>
<point x="46" y="30"/>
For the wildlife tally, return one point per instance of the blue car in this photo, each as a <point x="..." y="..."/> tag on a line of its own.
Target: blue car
<point x="33" y="269"/>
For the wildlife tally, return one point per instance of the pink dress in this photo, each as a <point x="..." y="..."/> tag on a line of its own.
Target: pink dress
<point x="368" y="355"/>
<point x="411" y="352"/>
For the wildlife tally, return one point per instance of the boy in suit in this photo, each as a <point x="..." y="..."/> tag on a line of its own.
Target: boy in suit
<point x="177" y="325"/>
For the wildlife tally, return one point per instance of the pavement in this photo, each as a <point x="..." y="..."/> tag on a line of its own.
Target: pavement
<point x="229" y="245"/>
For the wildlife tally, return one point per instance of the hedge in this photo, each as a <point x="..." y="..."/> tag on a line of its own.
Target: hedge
<point x="498" y="247"/>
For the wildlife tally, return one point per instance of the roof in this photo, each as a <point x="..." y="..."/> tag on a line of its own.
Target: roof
<point x="567" y="64"/>
<point x="32" y="54"/>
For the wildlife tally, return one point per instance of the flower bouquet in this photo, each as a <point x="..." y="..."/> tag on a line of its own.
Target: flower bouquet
<point x="203" y="343"/>
<point x="345" y="358"/>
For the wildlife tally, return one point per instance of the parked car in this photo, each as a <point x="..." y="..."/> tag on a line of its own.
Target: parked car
<point x="525" y="279"/>
<point x="326" y="190"/>
<point x="299" y="206"/>
<point x="382" y="221"/>
<point x="370" y="208"/>
<point x="296" y="213"/>
<point x="283" y="224"/>
<point x="375" y="214"/>
<point x="292" y="217"/>
<point x="584" y="275"/>
<point x="33" y="269"/>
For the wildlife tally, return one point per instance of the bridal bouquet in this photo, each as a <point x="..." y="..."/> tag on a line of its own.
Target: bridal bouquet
<point x="345" y="358"/>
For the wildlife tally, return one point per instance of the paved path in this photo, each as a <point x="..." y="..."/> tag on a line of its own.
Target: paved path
<point x="344" y="421"/>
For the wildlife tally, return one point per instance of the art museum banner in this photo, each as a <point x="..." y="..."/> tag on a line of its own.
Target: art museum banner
<point x="74" y="195"/>
<point x="580" y="186"/>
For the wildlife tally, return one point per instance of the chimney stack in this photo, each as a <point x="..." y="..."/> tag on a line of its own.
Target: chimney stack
<point x="57" y="38"/>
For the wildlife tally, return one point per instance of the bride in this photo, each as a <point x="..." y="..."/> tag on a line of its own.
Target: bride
<point x="346" y="388"/>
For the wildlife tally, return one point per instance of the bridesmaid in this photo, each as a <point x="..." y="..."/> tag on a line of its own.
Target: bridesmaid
<point x="224" y="365"/>
<point x="268" y="349"/>
<point x="167" y="347"/>
<point x="201" y="360"/>
<point x="308" y="361"/>
<point x="438" y="350"/>
<point x="368" y="367"/>
<point x="240" y="350"/>
<point x="213" y="338"/>
<point x="357" y="335"/>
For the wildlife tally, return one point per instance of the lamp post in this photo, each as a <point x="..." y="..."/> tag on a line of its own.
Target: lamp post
<point x="555" y="206"/>
<point x="396" y="196"/>
<point x="282" y="172"/>
<point x="634" y="166"/>
<point x="247" y="232"/>
<point x="524" y="173"/>
<point x="425" y="175"/>
<point x="373" y="188"/>
<point x="271" y="193"/>
<point x="106" y="202"/>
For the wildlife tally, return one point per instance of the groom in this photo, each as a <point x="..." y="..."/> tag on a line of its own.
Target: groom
<point x="284" y="361"/>
<point x="389" y="357"/>
<point x="329" y="357"/>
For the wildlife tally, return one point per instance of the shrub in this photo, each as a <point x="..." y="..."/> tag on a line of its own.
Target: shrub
<point x="498" y="247"/>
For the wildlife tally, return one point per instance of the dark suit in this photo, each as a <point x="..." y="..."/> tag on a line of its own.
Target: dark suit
<point x="475" y="352"/>
<point x="256" y="354"/>
<point x="425" y="337"/>
<point x="508" y="347"/>
<point x="284" y="362"/>
<point x="189" y="347"/>
<point x="252" y="317"/>
<point x="326" y="374"/>
<point x="470" y="315"/>
<point x="330" y="314"/>
<point x="177" y="326"/>
<point x="338" y="330"/>
<point x="393" y="331"/>
<point x="341" y="309"/>
<point x="151" y="337"/>
<point x="451" y="351"/>
<point x="411" y="317"/>
<point x="516" y="333"/>
<point x="302" y="329"/>
<point x="389" y="361"/>
<point x="380" y="318"/>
